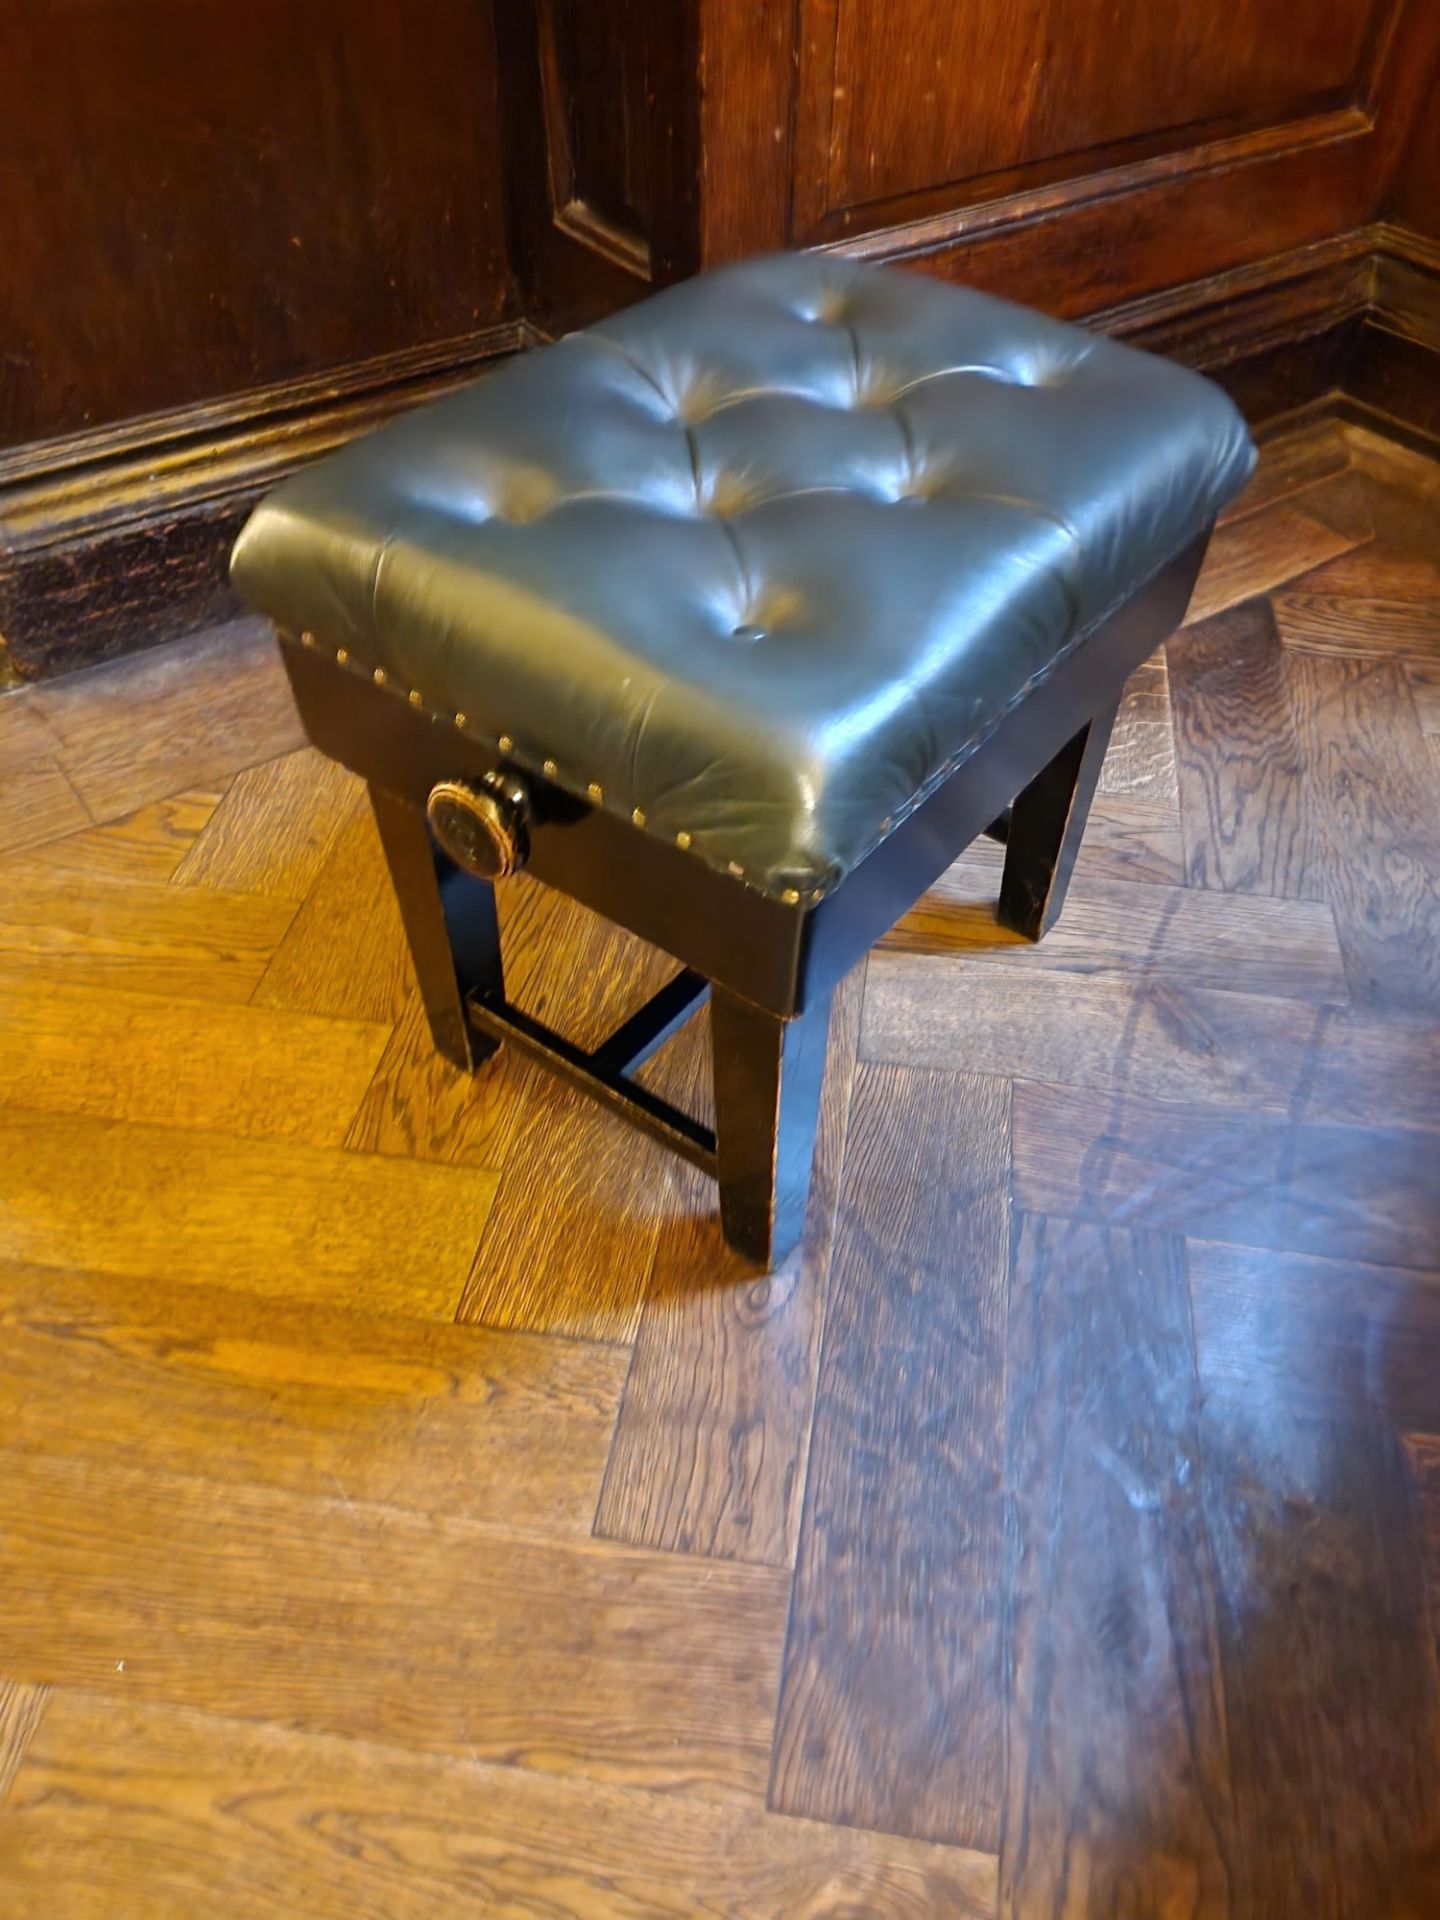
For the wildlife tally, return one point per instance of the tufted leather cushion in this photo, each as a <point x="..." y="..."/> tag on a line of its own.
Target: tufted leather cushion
<point x="758" y="561"/>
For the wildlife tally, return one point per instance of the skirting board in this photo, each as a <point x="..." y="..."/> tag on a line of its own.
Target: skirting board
<point x="118" y="539"/>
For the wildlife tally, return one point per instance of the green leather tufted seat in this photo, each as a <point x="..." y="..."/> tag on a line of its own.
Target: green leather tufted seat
<point x="758" y="562"/>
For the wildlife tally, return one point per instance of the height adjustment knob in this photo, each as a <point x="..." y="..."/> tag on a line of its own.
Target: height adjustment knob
<point x="484" y="826"/>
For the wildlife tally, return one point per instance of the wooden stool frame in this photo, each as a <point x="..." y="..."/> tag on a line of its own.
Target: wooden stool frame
<point x="770" y="969"/>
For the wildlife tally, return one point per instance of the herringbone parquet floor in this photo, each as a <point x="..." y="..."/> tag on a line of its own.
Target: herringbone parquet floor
<point x="407" y="1508"/>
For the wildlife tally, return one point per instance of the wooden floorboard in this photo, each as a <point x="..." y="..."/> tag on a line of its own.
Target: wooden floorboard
<point x="710" y="1450"/>
<point x="1371" y="792"/>
<point x="245" y="1070"/>
<point x="1423" y="679"/>
<point x="1165" y="1042"/>
<point x="95" y="932"/>
<point x="1290" y="460"/>
<point x="349" y="910"/>
<point x="309" y="1399"/>
<point x="1422" y="1457"/>
<point x="1330" y="1689"/>
<point x="25" y="734"/>
<point x="1244" y="942"/>
<point x="1378" y="600"/>
<point x="174" y="717"/>
<point x="563" y="1656"/>
<point x="1243" y="814"/>
<point x="418" y="1106"/>
<point x="581" y="1264"/>
<point x="1317" y="1335"/>
<point x="889" y="1711"/>
<point x="1321" y="619"/>
<point x="274" y="828"/>
<point x="409" y="1508"/>
<point x="1116" y="1703"/>
<point x="267" y="1216"/>
<point x="1254" y="555"/>
<point x="1140" y="763"/>
<point x="148" y="844"/>
<point x="21" y="1710"/>
<point x="1125" y="839"/>
<point x="1366" y="1194"/>
<point x="37" y="804"/>
<point x="117" y="1797"/>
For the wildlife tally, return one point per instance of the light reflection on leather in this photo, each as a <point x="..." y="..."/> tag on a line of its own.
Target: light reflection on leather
<point x="761" y="558"/>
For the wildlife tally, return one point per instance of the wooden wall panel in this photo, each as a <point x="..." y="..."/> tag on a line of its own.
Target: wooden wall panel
<point x="1415" y="196"/>
<point x="201" y="199"/>
<point x="1083" y="154"/>
<point x="922" y="96"/>
<point x="597" y="82"/>
<point x="599" y="106"/>
<point x="234" y="237"/>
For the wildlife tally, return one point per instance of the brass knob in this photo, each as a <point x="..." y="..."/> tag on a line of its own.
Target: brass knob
<point x="485" y="827"/>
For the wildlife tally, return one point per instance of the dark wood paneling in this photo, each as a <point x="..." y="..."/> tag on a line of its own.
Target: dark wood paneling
<point x="87" y="600"/>
<point x="200" y="202"/>
<point x="230" y="250"/>
<point x="115" y="539"/>
<point x="1058" y="155"/>
<point x="599" y="108"/>
<point x="596" y="91"/>
<point x="1396" y="376"/>
<point x="922" y="96"/>
<point x="745" y="138"/>
<point x="1120" y="156"/>
<point x="1414" y="197"/>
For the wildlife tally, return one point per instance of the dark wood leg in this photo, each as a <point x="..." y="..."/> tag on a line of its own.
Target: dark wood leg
<point x="1043" y="829"/>
<point x="767" y="1105"/>
<point x="450" y="924"/>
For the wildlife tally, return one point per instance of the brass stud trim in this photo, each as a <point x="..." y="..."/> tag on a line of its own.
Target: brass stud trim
<point x="789" y="895"/>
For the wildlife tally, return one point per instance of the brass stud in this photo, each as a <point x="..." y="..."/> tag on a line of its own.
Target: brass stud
<point x="638" y="817"/>
<point x="307" y="639"/>
<point x="379" y="676"/>
<point x="415" y="697"/>
<point x="682" y="839"/>
<point x="735" y="867"/>
<point x="594" y="790"/>
<point x="551" y="769"/>
<point x="506" y="744"/>
<point x="459" y="719"/>
<point x="791" y="897"/>
<point x="342" y="656"/>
